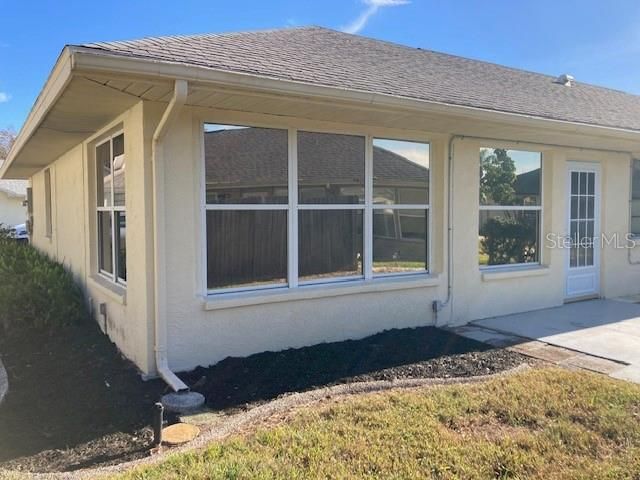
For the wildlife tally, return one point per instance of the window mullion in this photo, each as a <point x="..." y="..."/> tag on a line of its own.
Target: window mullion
<point x="292" y="217"/>
<point x="114" y="246"/>
<point x="368" y="212"/>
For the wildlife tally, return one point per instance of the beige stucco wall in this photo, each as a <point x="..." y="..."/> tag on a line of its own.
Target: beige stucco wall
<point x="12" y="210"/>
<point x="200" y="337"/>
<point x="203" y="330"/>
<point x="129" y="310"/>
<point x="202" y="333"/>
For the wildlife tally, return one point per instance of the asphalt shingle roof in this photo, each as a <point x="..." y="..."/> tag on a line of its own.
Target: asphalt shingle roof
<point x="321" y="56"/>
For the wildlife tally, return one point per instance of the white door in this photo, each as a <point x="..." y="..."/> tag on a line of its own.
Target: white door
<point x="583" y="254"/>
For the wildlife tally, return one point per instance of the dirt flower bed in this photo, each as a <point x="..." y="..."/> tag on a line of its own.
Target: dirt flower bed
<point x="75" y="403"/>
<point x="425" y="352"/>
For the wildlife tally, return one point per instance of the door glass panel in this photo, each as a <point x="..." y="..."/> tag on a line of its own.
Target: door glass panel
<point x="574" y="206"/>
<point x="582" y="221"/>
<point x="574" y="182"/>
<point x="590" y="207"/>
<point x="583" y="207"/>
<point x="583" y="183"/>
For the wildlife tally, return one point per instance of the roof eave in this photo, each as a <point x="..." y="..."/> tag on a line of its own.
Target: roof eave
<point x="54" y="86"/>
<point x="78" y="59"/>
<point x="89" y="59"/>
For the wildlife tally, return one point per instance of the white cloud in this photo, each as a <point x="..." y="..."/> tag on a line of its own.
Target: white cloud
<point x="372" y="7"/>
<point x="4" y="97"/>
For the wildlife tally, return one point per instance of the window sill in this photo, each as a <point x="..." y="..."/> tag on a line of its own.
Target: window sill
<point x="506" y="273"/>
<point x="115" y="292"/>
<point x="244" y="299"/>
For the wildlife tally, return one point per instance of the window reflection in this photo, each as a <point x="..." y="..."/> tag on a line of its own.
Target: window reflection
<point x="330" y="168"/>
<point x="400" y="172"/>
<point x="245" y="165"/>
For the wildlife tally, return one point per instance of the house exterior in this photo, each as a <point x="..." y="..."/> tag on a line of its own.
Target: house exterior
<point x="13" y="197"/>
<point x="229" y="194"/>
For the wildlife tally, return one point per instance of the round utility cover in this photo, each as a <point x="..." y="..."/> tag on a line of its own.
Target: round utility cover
<point x="182" y="402"/>
<point x="179" y="433"/>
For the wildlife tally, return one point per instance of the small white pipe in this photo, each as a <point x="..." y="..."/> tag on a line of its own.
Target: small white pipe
<point x="172" y="111"/>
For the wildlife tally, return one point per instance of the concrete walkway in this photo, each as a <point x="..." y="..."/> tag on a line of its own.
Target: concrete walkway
<point x="606" y="329"/>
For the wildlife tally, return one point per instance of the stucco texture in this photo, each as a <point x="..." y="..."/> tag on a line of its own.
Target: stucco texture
<point x="202" y="331"/>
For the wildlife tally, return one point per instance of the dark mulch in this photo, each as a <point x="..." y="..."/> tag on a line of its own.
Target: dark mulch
<point x="74" y="402"/>
<point x="392" y="354"/>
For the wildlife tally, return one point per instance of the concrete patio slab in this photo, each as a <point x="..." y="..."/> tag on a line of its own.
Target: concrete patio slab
<point x="491" y="337"/>
<point x="630" y="374"/>
<point x="608" y="329"/>
<point x="595" y="364"/>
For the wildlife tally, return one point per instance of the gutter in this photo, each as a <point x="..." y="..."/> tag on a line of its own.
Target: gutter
<point x="157" y="161"/>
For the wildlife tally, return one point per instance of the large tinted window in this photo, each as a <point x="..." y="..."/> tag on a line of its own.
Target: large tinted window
<point x="400" y="180"/>
<point x="510" y="206"/>
<point x="258" y="236"/>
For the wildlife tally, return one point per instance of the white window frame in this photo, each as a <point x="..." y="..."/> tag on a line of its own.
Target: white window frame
<point x="520" y="208"/>
<point x="48" y="204"/>
<point x="397" y="208"/>
<point x="112" y="209"/>
<point x="293" y="207"/>
<point x="634" y="235"/>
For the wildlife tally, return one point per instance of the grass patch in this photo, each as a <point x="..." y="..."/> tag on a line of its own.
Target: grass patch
<point x="541" y="424"/>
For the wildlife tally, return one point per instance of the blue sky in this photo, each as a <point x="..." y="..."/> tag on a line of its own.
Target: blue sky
<point x="594" y="40"/>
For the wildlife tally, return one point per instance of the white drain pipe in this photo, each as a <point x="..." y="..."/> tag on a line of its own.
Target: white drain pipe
<point x="4" y="381"/>
<point x="157" y="160"/>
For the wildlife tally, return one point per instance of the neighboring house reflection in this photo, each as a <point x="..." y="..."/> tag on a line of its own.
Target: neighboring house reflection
<point x="249" y="166"/>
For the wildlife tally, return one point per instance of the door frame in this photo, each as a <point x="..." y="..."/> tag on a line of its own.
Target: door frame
<point x="583" y="166"/>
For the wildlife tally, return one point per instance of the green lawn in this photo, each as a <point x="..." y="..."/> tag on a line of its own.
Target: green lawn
<point x="541" y="424"/>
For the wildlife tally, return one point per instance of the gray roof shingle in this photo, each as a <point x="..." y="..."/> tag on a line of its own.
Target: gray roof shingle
<point x="321" y="56"/>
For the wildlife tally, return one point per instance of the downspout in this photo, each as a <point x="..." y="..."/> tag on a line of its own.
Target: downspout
<point x="157" y="162"/>
<point x="438" y="305"/>
<point x="635" y="240"/>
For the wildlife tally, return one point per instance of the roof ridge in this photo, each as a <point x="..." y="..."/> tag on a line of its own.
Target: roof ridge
<point x="102" y="44"/>
<point x="201" y="35"/>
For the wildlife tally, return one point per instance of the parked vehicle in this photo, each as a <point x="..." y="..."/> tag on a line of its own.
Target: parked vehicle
<point x="20" y="233"/>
